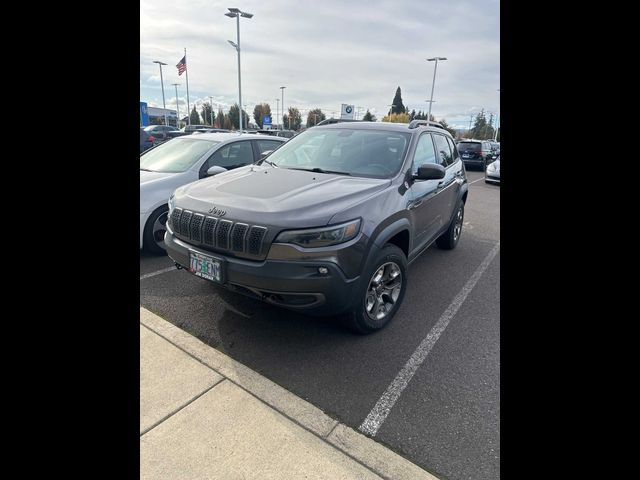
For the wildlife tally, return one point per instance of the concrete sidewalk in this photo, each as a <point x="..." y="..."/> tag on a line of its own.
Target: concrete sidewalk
<point x="204" y="415"/>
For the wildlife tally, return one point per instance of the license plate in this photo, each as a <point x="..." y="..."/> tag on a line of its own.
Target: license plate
<point x="205" y="267"/>
<point x="465" y="155"/>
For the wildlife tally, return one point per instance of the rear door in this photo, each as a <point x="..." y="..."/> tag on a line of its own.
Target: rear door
<point x="449" y="185"/>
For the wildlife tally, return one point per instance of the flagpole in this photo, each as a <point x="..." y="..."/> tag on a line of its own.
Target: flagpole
<point x="187" y="72"/>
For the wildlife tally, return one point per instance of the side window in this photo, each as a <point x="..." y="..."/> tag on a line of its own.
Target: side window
<point x="442" y="146"/>
<point x="264" y="145"/>
<point x="425" y="153"/>
<point x="454" y="150"/>
<point x="231" y="156"/>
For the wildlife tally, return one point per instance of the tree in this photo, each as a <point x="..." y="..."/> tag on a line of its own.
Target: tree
<point x="449" y="129"/>
<point x="260" y="111"/>
<point x="194" y="117"/>
<point x="206" y="114"/>
<point x="412" y="115"/>
<point x="481" y="129"/>
<point x="227" y="123"/>
<point x="398" y="106"/>
<point x="397" y="118"/>
<point x="219" y="119"/>
<point x="314" y="117"/>
<point x="296" y="119"/>
<point x="369" y="117"/>
<point x="235" y="117"/>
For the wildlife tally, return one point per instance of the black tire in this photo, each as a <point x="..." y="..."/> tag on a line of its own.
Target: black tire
<point x="151" y="244"/>
<point x="358" y="319"/>
<point x="449" y="239"/>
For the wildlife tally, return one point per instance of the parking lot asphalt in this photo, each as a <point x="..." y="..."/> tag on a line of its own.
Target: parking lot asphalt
<point x="447" y="418"/>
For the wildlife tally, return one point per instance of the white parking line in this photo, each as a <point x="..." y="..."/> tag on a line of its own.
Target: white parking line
<point x="382" y="408"/>
<point x="157" y="272"/>
<point x="481" y="178"/>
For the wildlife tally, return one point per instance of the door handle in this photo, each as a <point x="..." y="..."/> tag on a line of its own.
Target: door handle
<point x="415" y="204"/>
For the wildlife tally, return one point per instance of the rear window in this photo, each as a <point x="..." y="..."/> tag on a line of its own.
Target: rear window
<point x="469" y="146"/>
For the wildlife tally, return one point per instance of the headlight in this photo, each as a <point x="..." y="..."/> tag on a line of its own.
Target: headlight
<point x="172" y="203"/>
<point x="321" y="237"/>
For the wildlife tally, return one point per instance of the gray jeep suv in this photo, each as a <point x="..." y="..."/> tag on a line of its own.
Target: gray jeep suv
<point x="328" y="222"/>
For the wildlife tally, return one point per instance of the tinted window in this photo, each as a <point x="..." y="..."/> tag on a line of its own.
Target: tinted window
<point x="177" y="155"/>
<point x="446" y="158"/>
<point x="425" y="153"/>
<point x="264" y="145"/>
<point x="453" y="149"/>
<point x="366" y="153"/>
<point x="468" y="146"/>
<point x="233" y="155"/>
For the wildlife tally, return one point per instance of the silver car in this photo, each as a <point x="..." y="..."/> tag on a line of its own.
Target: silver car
<point x="492" y="173"/>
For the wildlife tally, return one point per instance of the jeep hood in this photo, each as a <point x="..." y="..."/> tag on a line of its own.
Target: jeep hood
<point x="264" y="195"/>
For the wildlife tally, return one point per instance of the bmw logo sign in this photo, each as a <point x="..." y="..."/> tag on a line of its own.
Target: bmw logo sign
<point x="348" y="109"/>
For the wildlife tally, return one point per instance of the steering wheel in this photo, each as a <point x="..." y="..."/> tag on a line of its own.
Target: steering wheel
<point x="384" y="170"/>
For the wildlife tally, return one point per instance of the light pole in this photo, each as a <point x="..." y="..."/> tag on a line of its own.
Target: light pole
<point x="164" y="107"/>
<point x="235" y="12"/>
<point x="177" y="108"/>
<point x="211" y="98"/>
<point x="282" y="90"/>
<point x="430" y="102"/>
<point x="433" y="84"/>
<point x="277" y="112"/>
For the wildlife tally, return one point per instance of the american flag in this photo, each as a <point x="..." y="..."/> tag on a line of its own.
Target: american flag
<point x="182" y="65"/>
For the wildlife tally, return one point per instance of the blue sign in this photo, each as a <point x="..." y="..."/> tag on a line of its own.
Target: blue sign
<point x="266" y="120"/>
<point x="144" y="114"/>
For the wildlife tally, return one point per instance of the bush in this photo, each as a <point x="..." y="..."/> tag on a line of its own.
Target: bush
<point x="397" y="118"/>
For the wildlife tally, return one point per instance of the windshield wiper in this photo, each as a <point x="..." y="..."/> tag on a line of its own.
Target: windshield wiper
<point x="146" y="170"/>
<point x="320" y="170"/>
<point x="264" y="160"/>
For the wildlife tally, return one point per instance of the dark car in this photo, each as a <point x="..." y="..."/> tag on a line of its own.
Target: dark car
<point x="476" y="153"/>
<point x="160" y="132"/>
<point x="146" y="140"/>
<point x="328" y="222"/>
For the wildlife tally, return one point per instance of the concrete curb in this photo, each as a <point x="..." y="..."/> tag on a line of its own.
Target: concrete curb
<point x="373" y="455"/>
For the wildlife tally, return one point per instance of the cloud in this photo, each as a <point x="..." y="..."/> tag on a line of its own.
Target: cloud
<point x="328" y="53"/>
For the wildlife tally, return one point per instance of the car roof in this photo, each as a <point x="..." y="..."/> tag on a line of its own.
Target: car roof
<point x="224" y="136"/>
<point x="388" y="126"/>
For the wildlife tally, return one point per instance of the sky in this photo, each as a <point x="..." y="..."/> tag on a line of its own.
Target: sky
<point x="326" y="53"/>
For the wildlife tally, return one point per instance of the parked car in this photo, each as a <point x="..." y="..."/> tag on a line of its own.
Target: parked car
<point x="492" y="173"/>
<point x="328" y="222"/>
<point x="188" y="129"/>
<point x="496" y="149"/>
<point x="279" y="133"/>
<point x="475" y="153"/>
<point x="211" y="130"/>
<point x="160" y="131"/>
<point x="183" y="160"/>
<point x="146" y="140"/>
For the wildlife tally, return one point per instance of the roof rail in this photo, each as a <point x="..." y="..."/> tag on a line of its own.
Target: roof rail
<point x="329" y="121"/>
<point x="427" y="123"/>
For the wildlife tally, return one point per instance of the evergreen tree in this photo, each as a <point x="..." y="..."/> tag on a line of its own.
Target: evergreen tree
<point x="206" y="113"/>
<point x="398" y="106"/>
<point x="194" y="117"/>
<point x="219" y="119"/>
<point x="369" y="117"/>
<point x="412" y="115"/>
<point x="235" y="117"/>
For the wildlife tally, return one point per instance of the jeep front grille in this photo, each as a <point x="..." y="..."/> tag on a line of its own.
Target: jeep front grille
<point x="216" y="233"/>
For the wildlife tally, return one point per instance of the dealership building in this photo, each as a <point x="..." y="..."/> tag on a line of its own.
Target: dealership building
<point x="155" y="115"/>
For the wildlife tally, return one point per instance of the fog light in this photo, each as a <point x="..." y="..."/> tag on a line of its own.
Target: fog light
<point x="323" y="270"/>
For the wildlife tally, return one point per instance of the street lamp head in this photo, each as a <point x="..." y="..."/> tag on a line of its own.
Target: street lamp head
<point x="233" y="10"/>
<point x="246" y="15"/>
<point x="159" y="62"/>
<point x="231" y="15"/>
<point x="436" y="58"/>
<point x="283" y="87"/>
<point x="233" y="44"/>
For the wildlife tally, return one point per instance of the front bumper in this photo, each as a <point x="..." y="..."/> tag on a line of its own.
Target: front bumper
<point x="289" y="284"/>
<point x="492" y="178"/>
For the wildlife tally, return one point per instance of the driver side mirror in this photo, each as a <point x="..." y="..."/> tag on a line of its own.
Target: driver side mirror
<point x="266" y="153"/>
<point x="430" y="171"/>
<point x="215" y="170"/>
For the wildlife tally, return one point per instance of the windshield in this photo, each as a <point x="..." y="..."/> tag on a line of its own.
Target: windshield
<point x="474" y="147"/>
<point x="362" y="153"/>
<point x="177" y="155"/>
